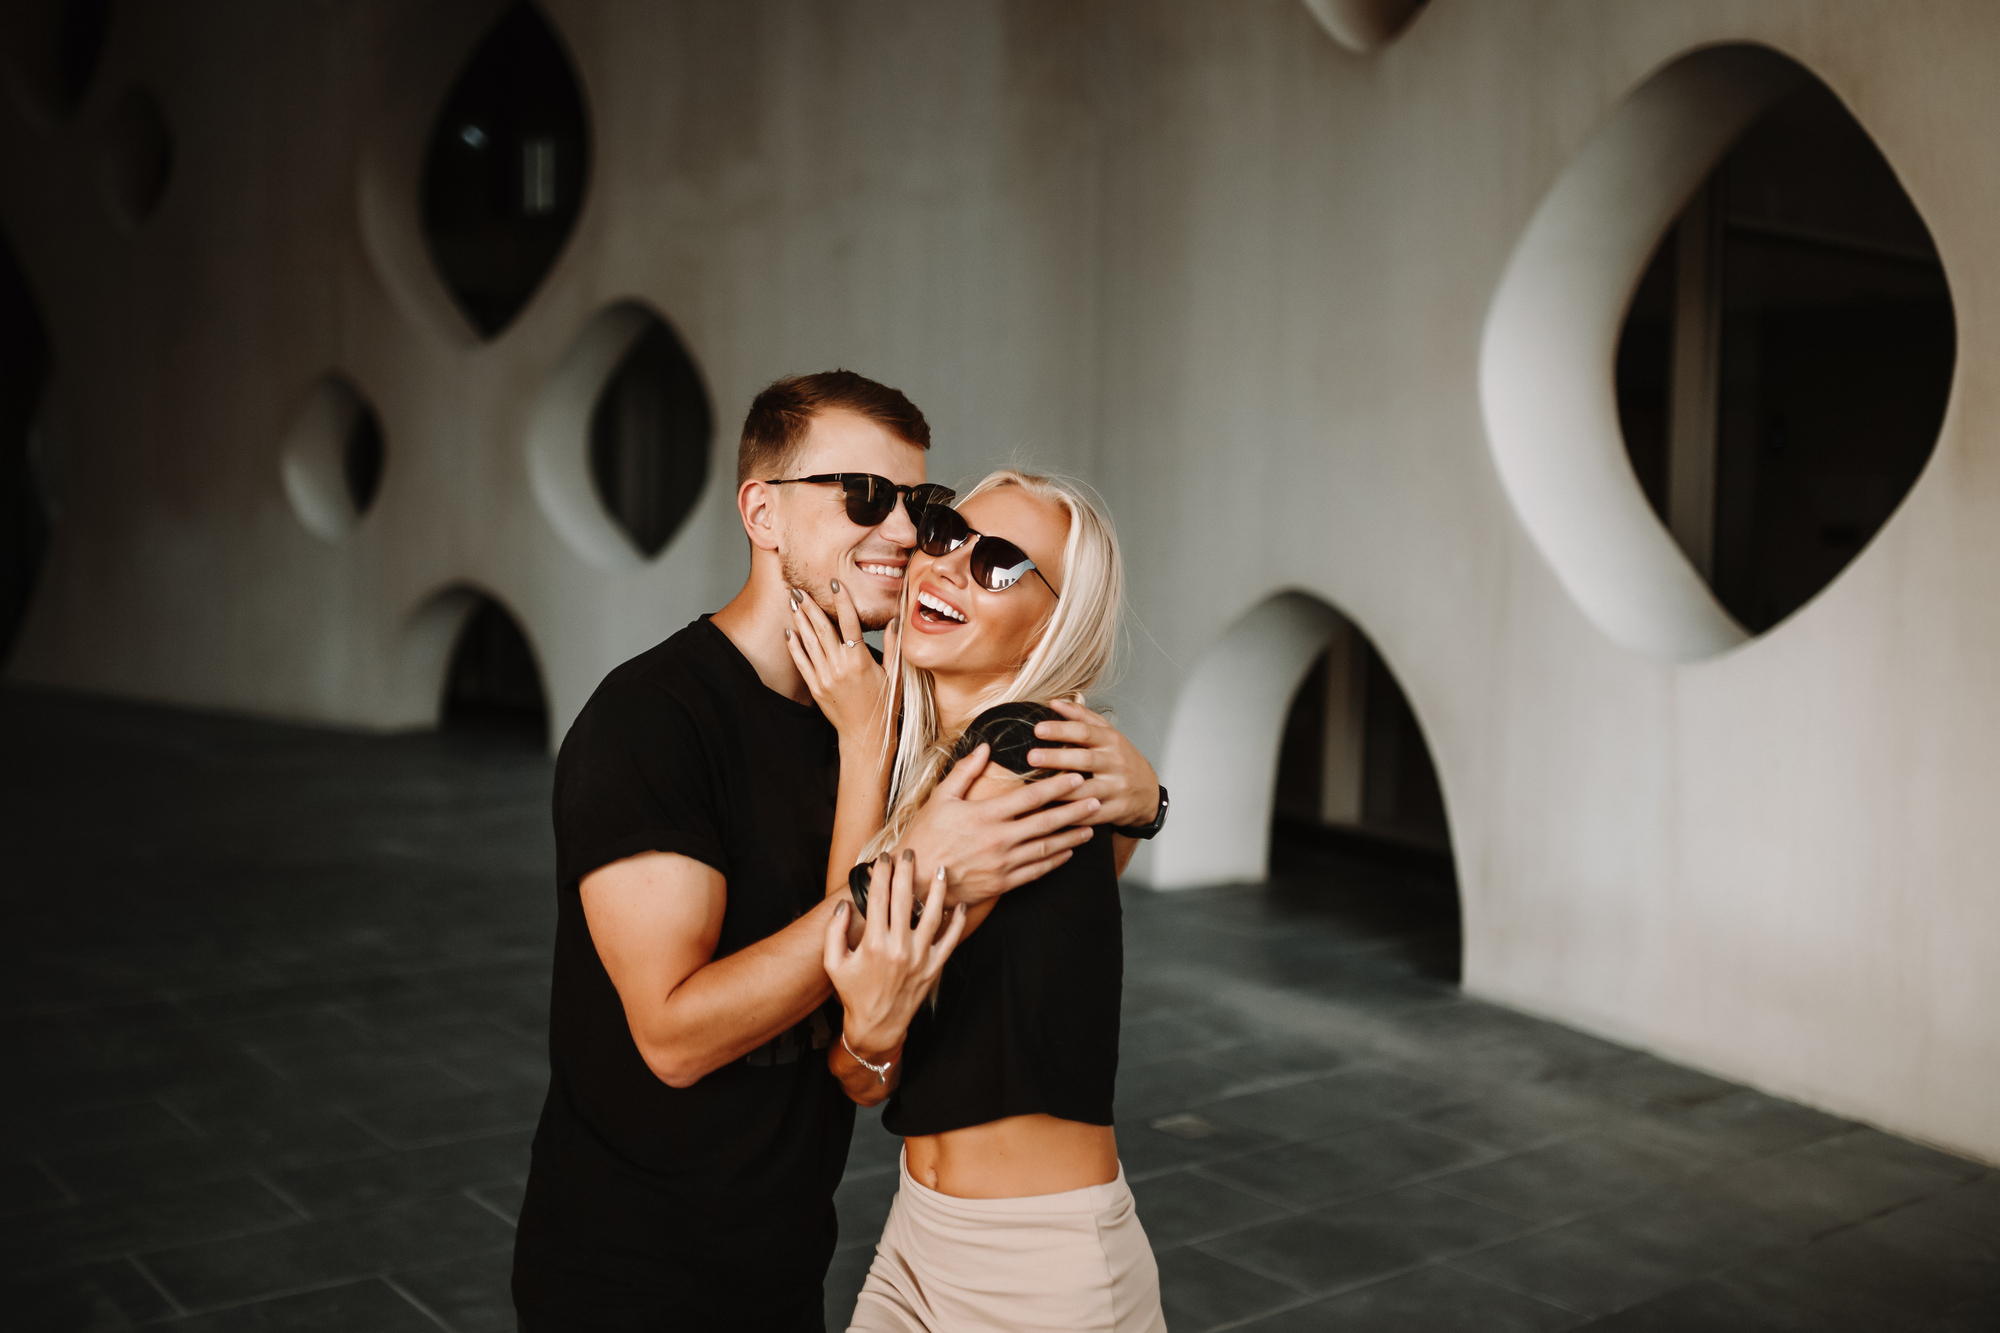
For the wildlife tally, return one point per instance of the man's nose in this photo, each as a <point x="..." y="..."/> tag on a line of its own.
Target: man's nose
<point x="899" y="529"/>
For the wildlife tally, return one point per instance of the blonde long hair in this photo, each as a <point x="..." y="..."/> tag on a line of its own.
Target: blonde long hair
<point x="1074" y="654"/>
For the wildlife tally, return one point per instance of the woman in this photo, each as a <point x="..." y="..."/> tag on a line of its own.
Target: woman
<point x="1013" y="1211"/>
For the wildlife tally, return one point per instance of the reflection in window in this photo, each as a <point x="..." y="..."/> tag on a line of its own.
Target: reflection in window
<point x="649" y="436"/>
<point x="505" y="171"/>
<point x="24" y="369"/>
<point x="1784" y="368"/>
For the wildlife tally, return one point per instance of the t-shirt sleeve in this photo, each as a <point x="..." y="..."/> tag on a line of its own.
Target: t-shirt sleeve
<point x="634" y="776"/>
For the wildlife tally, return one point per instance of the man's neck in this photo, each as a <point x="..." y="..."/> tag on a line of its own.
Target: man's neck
<point x="755" y="621"/>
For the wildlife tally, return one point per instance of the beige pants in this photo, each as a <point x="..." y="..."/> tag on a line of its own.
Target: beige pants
<point x="1071" y="1261"/>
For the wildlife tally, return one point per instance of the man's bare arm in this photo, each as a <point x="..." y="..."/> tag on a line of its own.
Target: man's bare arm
<point x="655" y="919"/>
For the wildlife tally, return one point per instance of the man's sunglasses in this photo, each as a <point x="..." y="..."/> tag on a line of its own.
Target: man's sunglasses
<point x="997" y="564"/>
<point x="871" y="499"/>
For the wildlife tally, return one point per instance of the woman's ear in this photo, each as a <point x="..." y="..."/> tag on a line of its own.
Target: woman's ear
<point x="757" y="503"/>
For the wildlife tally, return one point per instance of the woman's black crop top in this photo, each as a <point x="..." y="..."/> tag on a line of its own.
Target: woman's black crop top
<point x="1026" y="1018"/>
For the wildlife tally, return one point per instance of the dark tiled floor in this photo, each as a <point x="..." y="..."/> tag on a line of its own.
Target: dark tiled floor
<point x="272" y="1003"/>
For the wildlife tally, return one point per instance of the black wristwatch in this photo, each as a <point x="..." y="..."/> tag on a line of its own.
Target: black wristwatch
<point x="1147" y="830"/>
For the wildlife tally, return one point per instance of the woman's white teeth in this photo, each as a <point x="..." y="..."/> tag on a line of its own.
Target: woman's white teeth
<point x="886" y="571"/>
<point x="939" y="605"/>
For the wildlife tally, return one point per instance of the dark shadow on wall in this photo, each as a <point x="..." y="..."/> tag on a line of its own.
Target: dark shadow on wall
<point x="1359" y="817"/>
<point x="493" y="689"/>
<point x="1803" y="284"/>
<point x="24" y="519"/>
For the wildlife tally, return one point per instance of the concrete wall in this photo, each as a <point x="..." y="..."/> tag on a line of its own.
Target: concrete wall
<point x="1237" y="274"/>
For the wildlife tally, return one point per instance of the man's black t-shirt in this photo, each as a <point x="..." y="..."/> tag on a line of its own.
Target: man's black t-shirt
<point x="711" y="1206"/>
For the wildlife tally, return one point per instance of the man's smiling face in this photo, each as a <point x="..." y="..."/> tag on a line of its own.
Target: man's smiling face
<point x="818" y="543"/>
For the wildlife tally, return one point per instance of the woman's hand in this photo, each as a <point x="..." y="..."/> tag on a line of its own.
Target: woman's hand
<point x="848" y="684"/>
<point x="882" y="980"/>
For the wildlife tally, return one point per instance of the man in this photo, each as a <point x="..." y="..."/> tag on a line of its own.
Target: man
<point x="684" y="1169"/>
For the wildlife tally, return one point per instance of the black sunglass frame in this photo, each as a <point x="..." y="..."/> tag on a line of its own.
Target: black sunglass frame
<point x="989" y="553"/>
<point x="862" y="492"/>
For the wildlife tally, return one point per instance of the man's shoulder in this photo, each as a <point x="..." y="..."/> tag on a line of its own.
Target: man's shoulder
<point x="665" y="686"/>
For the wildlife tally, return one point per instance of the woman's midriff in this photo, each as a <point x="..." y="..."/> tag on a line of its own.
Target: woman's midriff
<point x="1014" y="1158"/>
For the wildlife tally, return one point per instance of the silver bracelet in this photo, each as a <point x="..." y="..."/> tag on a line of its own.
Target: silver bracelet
<point x="881" y="1071"/>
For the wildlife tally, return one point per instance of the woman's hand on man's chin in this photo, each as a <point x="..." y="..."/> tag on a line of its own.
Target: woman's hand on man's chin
<point x="848" y="684"/>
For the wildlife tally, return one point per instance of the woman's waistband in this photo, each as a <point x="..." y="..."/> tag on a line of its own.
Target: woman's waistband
<point x="1090" y="1199"/>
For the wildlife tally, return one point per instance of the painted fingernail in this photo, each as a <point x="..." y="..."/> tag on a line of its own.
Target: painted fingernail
<point x="794" y="595"/>
<point x="939" y="877"/>
<point x="909" y="855"/>
<point x="788" y="631"/>
<point x="836" y="585"/>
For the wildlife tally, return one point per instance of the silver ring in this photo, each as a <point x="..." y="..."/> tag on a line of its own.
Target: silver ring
<point x="850" y="643"/>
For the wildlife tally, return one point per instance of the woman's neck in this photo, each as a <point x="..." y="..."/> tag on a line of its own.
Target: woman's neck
<point x="957" y="697"/>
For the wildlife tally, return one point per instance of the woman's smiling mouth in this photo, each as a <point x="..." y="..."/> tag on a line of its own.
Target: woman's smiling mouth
<point x="935" y="609"/>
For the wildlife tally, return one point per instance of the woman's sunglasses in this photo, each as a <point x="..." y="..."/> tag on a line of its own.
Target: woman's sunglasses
<point x="871" y="499"/>
<point x="997" y="564"/>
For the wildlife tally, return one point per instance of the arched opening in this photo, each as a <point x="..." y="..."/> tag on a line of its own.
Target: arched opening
<point x="1358" y="816"/>
<point x="1293" y="723"/>
<point x="1783" y="369"/>
<point x="24" y="373"/>
<point x="493" y="688"/>
<point x="505" y="169"/>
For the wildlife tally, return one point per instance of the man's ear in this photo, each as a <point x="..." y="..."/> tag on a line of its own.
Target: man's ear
<point x="757" y="503"/>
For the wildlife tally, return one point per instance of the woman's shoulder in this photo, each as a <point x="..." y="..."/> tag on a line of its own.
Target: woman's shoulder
<point x="1010" y="730"/>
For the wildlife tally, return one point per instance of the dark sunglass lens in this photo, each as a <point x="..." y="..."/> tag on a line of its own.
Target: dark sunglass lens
<point x="923" y="497"/>
<point x="940" y="530"/>
<point x="998" y="564"/>
<point x="869" y="499"/>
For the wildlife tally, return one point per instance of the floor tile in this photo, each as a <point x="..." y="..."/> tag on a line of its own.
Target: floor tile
<point x="371" y="1304"/>
<point x="1345" y="1099"/>
<point x="1180" y="1207"/>
<point x="423" y="1122"/>
<point x="1428" y="1300"/>
<point x="862" y="1204"/>
<point x="1318" y="1171"/>
<point x="327" y="1250"/>
<point x="140" y="1221"/>
<point x="471" y="1295"/>
<point x="1200" y="1291"/>
<point x="1364" y="1239"/>
<point x="401" y="1177"/>
<point x="1575" y="1175"/>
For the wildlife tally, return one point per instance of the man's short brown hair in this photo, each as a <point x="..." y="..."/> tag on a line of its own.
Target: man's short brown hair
<point x="775" y="429"/>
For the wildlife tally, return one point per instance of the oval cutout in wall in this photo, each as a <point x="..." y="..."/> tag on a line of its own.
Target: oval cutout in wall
<point x="24" y="372"/>
<point x="505" y="170"/>
<point x="1364" y="25"/>
<point x="618" y="441"/>
<point x="56" y="47"/>
<point x="332" y="459"/>
<point x="138" y="157"/>
<point x="1552" y="411"/>
<point x="1784" y="367"/>
<point x="649" y="438"/>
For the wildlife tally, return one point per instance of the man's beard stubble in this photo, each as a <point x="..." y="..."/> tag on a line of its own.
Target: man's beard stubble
<point x="796" y="577"/>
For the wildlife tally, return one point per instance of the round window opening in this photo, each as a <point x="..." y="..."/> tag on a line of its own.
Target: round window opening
<point x="1781" y="337"/>
<point x="505" y="169"/>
